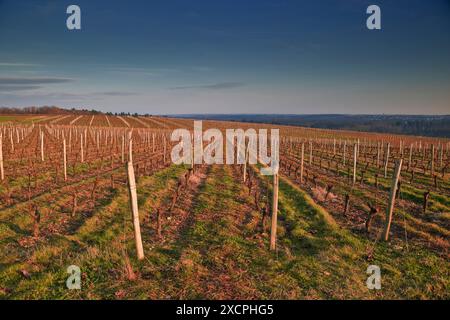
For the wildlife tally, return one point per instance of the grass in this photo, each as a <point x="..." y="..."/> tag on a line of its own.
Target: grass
<point x="218" y="252"/>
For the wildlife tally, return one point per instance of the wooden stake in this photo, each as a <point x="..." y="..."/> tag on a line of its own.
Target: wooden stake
<point x="410" y="156"/>
<point x="387" y="160"/>
<point x="355" y="150"/>
<point x="378" y="154"/>
<point x="310" y="153"/>
<point x="273" y="230"/>
<point x="2" y="171"/>
<point x="65" y="160"/>
<point x="164" y="150"/>
<point x="123" y="149"/>
<point x="343" y="153"/>
<point x="432" y="159"/>
<point x="390" y="208"/>
<point x="301" y="162"/>
<point x="130" y="147"/>
<point x="134" y="210"/>
<point x="12" y="141"/>
<point x="82" y="150"/>
<point x="245" y="163"/>
<point x="42" y="146"/>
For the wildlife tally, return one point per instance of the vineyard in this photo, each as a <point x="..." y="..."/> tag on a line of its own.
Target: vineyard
<point x="101" y="192"/>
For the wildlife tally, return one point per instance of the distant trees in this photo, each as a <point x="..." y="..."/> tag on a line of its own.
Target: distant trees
<point x="33" y="110"/>
<point x="47" y="110"/>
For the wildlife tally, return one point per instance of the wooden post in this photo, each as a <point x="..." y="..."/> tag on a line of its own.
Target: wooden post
<point x="192" y="154"/>
<point x="245" y="163"/>
<point x="301" y="162"/>
<point x="273" y="230"/>
<point x="2" y="171"/>
<point x="153" y="142"/>
<point x="343" y="153"/>
<point x="310" y="153"/>
<point x="378" y="154"/>
<point x="130" y="147"/>
<point x="355" y="150"/>
<point x="65" y="159"/>
<point x="387" y="160"/>
<point x="12" y="141"/>
<point x="123" y="149"/>
<point x="42" y="146"/>
<point x="390" y="208"/>
<point x="164" y="155"/>
<point x="81" y="147"/>
<point x="432" y="159"/>
<point x="401" y="148"/>
<point x="410" y="156"/>
<point x="134" y="210"/>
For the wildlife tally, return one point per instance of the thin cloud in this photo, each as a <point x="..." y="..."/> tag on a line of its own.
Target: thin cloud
<point x="15" y="64"/>
<point x="8" y="88"/>
<point x="215" y="86"/>
<point x="32" y="81"/>
<point x="116" y="93"/>
<point x="133" y="71"/>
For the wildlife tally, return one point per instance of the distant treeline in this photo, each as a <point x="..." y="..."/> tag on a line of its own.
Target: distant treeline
<point x="420" y="125"/>
<point x="59" y="110"/>
<point x="45" y="110"/>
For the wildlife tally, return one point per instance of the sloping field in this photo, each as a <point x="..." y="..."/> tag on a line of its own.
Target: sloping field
<point x="65" y="200"/>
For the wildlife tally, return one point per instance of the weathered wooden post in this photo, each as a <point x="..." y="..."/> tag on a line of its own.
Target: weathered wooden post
<point x="81" y="147"/>
<point x="401" y="148"/>
<point x="387" y="160"/>
<point x="310" y="153"/>
<point x="245" y="162"/>
<point x="432" y="159"/>
<point x="2" y="171"/>
<point x="153" y="142"/>
<point x="42" y="146"/>
<point x="164" y="149"/>
<point x="123" y="149"/>
<point x="343" y="153"/>
<point x="85" y="139"/>
<point x="130" y="146"/>
<point x="301" y="162"/>
<point x="192" y="154"/>
<point x="390" y="207"/>
<point x="65" y="159"/>
<point x="273" y="230"/>
<point x="410" y="156"/>
<point x="378" y="154"/>
<point x="70" y="139"/>
<point x="12" y="141"/>
<point x="355" y="151"/>
<point x="134" y="210"/>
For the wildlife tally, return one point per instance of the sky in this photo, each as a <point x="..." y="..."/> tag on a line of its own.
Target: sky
<point x="227" y="56"/>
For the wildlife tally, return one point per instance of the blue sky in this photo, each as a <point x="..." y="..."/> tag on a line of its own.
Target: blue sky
<point x="215" y="56"/>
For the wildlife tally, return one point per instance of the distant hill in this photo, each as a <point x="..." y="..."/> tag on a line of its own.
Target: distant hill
<point x="420" y="125"/>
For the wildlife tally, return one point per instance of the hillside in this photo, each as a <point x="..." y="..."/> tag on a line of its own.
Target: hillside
<point x="419" y="125"/>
